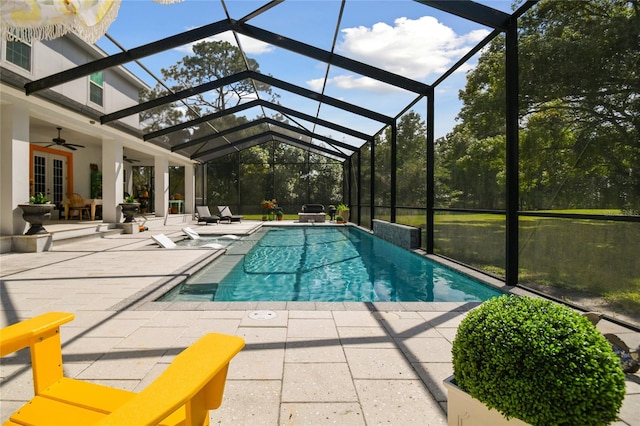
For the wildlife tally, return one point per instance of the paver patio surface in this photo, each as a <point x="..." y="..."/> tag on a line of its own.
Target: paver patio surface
<point x="310" y="363"/>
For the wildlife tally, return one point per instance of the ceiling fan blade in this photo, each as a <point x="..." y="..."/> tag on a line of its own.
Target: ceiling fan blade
<point x="73" y="144"/>
<point x="69" y="146"/>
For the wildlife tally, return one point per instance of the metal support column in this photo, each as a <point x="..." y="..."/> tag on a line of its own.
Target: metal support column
<point x="239" y="180"/>
<point x="359" y="190"/>
<point x="372" y="189"/>
<point x="307" y="174"/>
<point x="348" y="172"/>
<point x="394" y="159"/>
<point x="431" y="189"/>
<point x="512" y="184"/>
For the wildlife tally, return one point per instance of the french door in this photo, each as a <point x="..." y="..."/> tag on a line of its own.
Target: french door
<point x="50" y="174"/>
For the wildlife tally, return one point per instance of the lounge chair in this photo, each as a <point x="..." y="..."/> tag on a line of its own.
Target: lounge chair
<point x="183" y="394"/>
<point x="229" y="237"/>
<point x="204" y="215"/>
<point x="191" y="233"/>
<point x="164" y="241"/>
<point x="225" y="214"/>
<point x="216" y="246"/>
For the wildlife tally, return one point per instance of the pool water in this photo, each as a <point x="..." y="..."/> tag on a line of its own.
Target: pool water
<point x="328" y="264"/>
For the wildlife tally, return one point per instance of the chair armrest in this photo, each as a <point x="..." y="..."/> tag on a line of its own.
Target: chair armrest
<point x="196" y="377"/>
<point x="23" y="334"/>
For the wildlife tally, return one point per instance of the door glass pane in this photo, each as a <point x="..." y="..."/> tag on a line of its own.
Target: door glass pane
<point x="58" y="181"/>
<point x="39" y="175"/>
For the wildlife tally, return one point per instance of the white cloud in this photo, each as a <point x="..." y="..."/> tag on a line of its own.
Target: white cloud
<point x="348" y="82"/>
<point x="414" y="48"/>
<point x="250" y="45"/>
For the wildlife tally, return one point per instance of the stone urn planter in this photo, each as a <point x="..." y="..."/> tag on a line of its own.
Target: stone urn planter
<point x="129" y="210"/>
<point x="36" y="215"/>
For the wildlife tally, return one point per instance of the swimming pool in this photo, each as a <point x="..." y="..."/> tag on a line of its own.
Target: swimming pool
<point x="325" y="264"/>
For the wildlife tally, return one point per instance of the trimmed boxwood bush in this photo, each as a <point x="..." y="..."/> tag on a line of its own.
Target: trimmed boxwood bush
<point x="538" y="361"/>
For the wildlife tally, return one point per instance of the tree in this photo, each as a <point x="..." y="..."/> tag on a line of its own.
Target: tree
<point x="411" y="160"/>
<point x="593" y="76"/>
<point x="547" y="144"/>
<point x="580" y="84"/>
<point x="213" y="60"/>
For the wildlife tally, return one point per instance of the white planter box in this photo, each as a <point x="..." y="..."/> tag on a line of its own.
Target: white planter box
<point x="464" y="410"/>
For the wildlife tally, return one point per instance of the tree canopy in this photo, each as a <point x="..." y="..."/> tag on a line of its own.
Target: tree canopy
<point x="579" y="109"/>
<point x="266" y="171"/>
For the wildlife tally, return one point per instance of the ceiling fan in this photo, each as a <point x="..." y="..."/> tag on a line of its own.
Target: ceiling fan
<point x="62" y="142"/>
<point x="130" y="160"/>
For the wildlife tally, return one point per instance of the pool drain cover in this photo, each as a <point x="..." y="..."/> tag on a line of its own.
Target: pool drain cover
<point x="262" y="315"/>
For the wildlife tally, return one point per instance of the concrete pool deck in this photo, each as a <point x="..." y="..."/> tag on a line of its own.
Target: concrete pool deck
<point x="313" y="363"/>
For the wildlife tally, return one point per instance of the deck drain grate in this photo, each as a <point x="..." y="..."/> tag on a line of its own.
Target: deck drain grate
<point x="262" y="315"/>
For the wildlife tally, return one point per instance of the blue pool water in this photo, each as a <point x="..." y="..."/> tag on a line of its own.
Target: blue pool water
<point x="327" y="264"/>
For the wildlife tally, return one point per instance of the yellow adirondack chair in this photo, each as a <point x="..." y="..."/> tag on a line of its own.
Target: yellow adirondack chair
<point x="183" y="394"/>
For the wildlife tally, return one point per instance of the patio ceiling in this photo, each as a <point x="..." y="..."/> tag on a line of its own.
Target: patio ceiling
<point x="316" y="121"/>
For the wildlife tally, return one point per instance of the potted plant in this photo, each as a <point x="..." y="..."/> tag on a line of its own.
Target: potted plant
<point x="332" y="212"/>
<point x="279" y="214"/>
<point x="37" y="212"/>
<point x="533" y="360"/>
<point x="269" y="206"/>
<point x="343" y="211"/>
<point x="339" y="219"/>
<point x="144" y="205"/>
<point x="129" y="208"/>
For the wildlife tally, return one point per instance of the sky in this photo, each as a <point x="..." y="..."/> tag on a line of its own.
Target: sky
<point x="403" y="37"/>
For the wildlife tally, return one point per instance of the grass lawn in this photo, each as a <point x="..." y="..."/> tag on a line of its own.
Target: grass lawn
<point x="577" y="256"/>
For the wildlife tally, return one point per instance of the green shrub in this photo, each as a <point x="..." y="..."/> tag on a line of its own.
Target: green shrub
<point x="38" y="199"/>
<point x="538" y="361"/>
<point x="130" y="199"/>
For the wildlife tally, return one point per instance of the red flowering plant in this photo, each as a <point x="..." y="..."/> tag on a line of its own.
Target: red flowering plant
<point x="269" y="207"/>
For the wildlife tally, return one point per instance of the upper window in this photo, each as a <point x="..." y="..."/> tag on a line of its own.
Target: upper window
<point x="19" y="53"/>
<point x="96" y="89"/>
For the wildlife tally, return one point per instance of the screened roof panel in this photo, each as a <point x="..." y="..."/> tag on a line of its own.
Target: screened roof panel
<point x="314" y="22"/>
<point x="363" y="61"/>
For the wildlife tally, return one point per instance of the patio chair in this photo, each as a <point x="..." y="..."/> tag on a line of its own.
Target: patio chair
<point x="76" y="203"/>
<point x="184" y="393"/>
<point x="225" y="214"/>
<point x="204" y="215"/>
